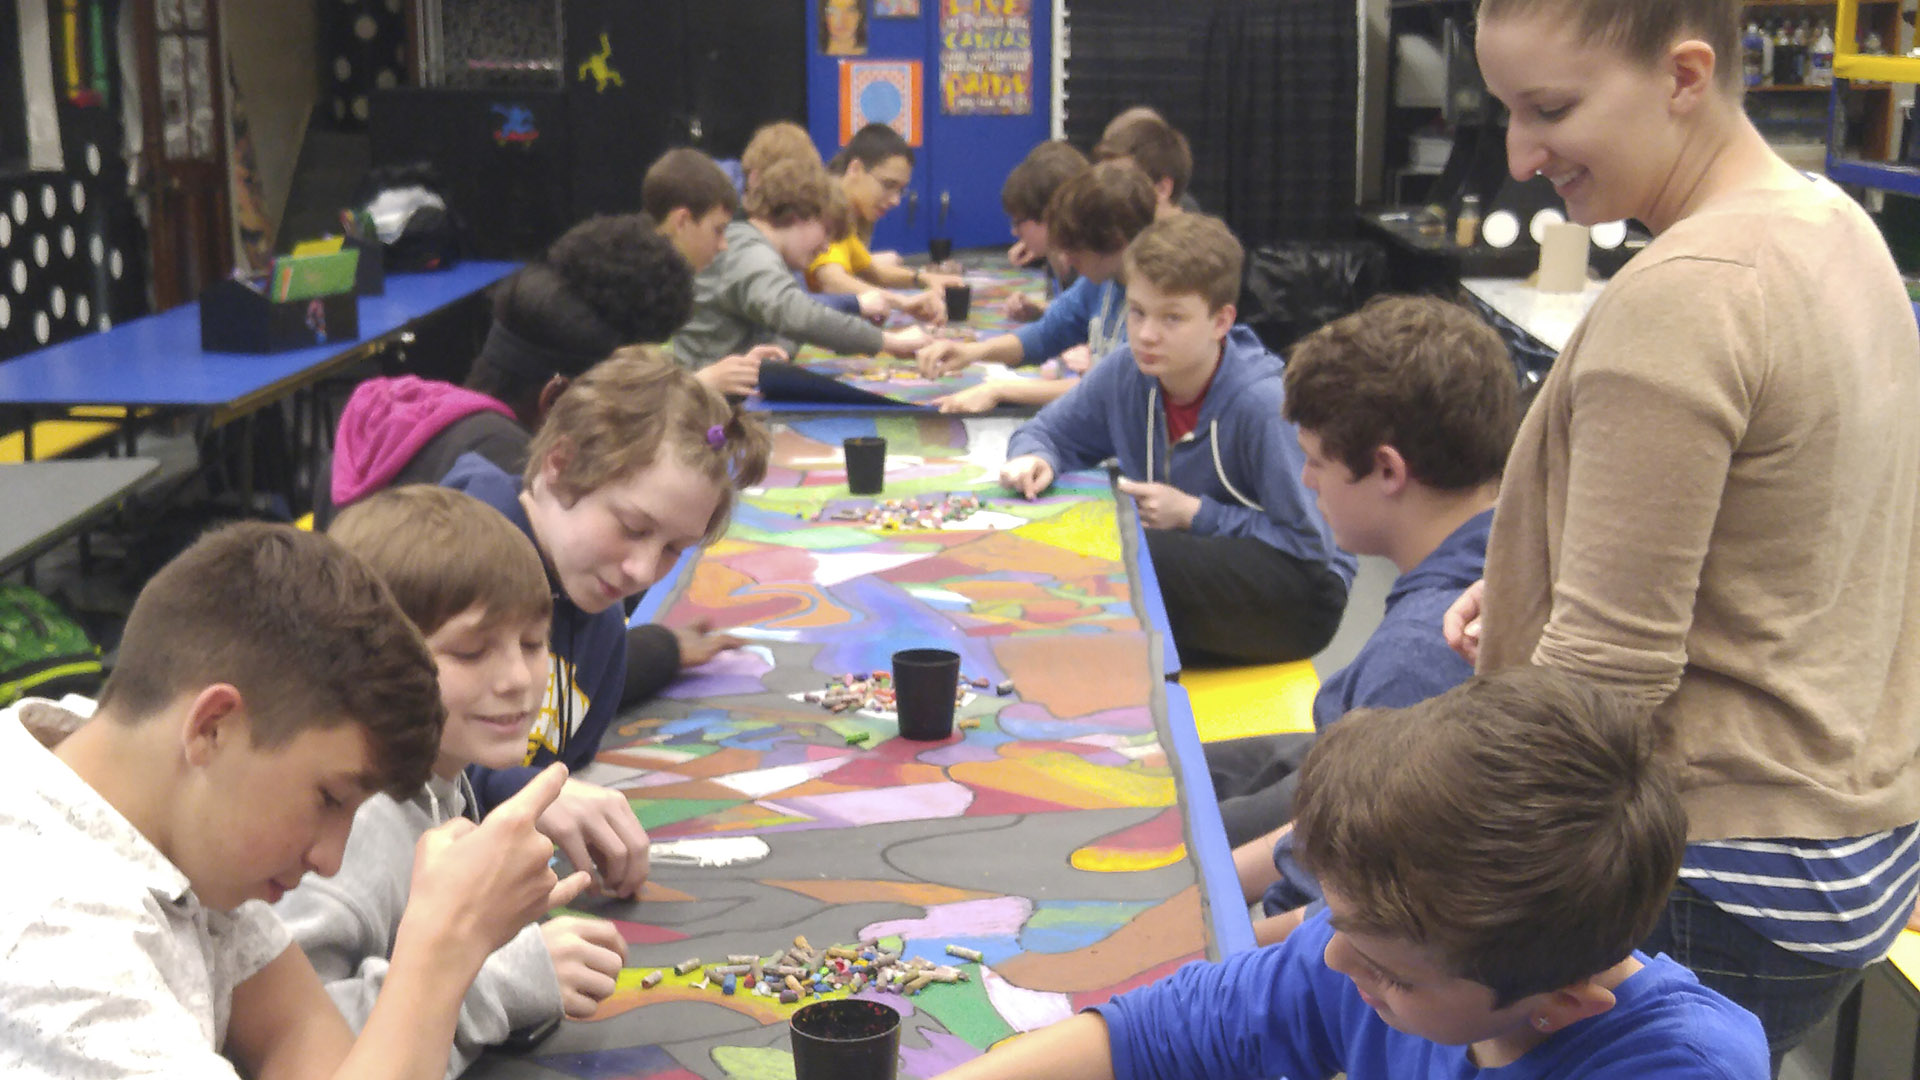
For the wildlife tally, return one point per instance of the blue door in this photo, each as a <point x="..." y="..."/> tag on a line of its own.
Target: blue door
<point x="962" y="160"/>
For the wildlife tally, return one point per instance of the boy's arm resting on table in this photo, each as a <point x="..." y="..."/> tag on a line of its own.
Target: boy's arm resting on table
<point x="1071" y="432"/>
<point x="1204" y="1021"/>
<point x="771" y="297"/>
<point x="1062" y="327"/>
<point x="842" y="302"/>
<point x="1073" y="1049"/>
<point x="1257" y="1013"/>
<point x="1629" y="569"/>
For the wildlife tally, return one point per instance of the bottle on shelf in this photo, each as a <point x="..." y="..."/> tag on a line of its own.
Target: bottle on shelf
<point x="1820" y="64"/>
<point x="1786" y="56"/>
<point x="1466" y="227"/>
<point x="1752" y="54"/>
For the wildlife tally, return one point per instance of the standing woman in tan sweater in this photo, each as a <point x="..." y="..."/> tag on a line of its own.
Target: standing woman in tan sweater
<point x="1712" y="504"/>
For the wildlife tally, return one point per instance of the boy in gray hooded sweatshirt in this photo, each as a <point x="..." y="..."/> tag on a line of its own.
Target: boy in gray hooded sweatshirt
<point x="484" y="617"/>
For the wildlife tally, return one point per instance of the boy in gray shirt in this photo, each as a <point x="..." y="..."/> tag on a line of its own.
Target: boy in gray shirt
<point x="748" y="295"/>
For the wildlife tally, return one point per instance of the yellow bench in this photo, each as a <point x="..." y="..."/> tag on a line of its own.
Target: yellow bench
<point x="1233" y="703"/>
<point x="55" y="438"/>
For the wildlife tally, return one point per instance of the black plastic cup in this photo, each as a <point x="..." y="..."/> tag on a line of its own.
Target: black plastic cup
<point x="866" y="464"/>
<point x="846" y="1039"/>
<point x="924" y="683"/>
<point x="959" y="302"/>
<point x="940" y="248"/>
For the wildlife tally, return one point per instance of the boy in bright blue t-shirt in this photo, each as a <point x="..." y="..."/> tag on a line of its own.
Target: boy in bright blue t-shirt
<point x="1490" y="858"/>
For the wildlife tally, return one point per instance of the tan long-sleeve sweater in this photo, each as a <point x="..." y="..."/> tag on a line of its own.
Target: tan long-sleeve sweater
<point x="1712" y="505"/>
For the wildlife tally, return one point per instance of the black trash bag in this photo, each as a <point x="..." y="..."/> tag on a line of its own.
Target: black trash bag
<point x="1295" y="287"/>
<point x="412" y="217"/>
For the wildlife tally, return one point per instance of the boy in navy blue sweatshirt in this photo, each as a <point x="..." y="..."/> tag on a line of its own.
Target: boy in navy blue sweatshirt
<point x="1191" y="407"/>
<point x="1405" y="410"/>
<point x="637" y="462"/>
<point x="1491" y="857"/>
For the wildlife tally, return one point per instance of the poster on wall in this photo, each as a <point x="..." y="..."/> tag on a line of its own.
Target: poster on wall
<point x="986" y="57"/>
<point x="843" y="27"/>
<point x="880" y="92"/>
<point x="896" y="9"/>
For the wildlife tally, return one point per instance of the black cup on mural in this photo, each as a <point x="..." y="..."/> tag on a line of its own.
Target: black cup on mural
<point x="940" y="248"/>
<point x="959" y="302"/>
<point x="925" y="682"/>
<point x="846" y="1039"/>
<point x="866" y="464"/>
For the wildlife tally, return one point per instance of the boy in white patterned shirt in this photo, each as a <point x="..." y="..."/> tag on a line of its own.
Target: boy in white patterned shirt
<point x="267" y="684"/>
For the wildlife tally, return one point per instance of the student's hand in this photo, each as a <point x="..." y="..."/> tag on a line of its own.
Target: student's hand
<point x="1078" y="359"/>
<point x="475" y="886"/>
<point x="738" y="376"/>
<point x="596" y="829"/>
<point x="974" y="399"/>
<point x="699" y="643"/>
<point x="1275" y="929"/>
<point x="1461" y="624"/>
<point x="943" y="357"/>
<point x="1023" y="308"/>
<point x="905" y="343"/>
<point x="587" y="957"/>
<point x="1019" y="254"/>
<point x="929" y="307"/>
<point x="1162" y="506"/>
<point x="875" y="305"/>
<point x="1028" y="474"/>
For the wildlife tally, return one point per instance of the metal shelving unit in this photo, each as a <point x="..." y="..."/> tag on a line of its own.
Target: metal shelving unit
<point x="1850" y="65"/>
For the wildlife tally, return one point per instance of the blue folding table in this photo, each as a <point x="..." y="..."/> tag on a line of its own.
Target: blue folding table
<point x="156" y="363"/>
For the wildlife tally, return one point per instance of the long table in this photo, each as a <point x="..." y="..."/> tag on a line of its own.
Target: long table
<point x="1068" y="831"/>
<point x="887" y="383"/>
<point x="44" y="502"/>
<point x="157" y="363"/>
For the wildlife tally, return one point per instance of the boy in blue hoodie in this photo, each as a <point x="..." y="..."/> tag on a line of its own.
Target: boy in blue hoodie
<point x="1405" y="410"/>
<point x="1491" y="858"/>
<point x="1191" y="407"/>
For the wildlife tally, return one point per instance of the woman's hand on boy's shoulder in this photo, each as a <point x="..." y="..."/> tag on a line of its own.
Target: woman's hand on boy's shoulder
<point x="1162" y="506"/>
<point x="595" y="828"/>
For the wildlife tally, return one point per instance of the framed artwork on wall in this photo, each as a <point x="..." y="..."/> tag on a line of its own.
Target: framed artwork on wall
<point x="843" y="27"/>
<point x="880" y="92"/>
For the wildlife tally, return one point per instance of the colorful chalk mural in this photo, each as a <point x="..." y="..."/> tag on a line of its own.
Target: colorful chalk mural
<point x="1047" y="833"/>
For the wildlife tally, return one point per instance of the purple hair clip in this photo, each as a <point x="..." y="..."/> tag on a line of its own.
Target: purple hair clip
<point x="716" y="436"/>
